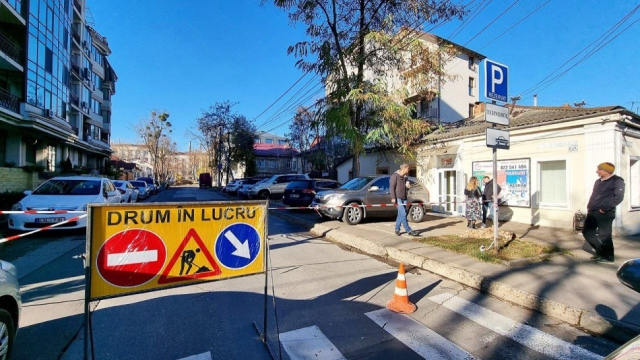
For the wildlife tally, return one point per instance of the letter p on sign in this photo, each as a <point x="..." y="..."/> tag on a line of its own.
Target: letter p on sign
<point x="496" y="81"/>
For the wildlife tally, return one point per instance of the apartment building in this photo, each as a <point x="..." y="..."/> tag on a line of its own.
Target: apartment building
<point x="56" y="86"/>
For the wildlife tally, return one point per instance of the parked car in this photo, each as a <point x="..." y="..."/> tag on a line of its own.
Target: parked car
<point x="204" y="180"/>
<point x="274" y="186"/>
<point x="128" y="192"/>
<point x="302" y="192"/>
<point x="243" y="191"/>
<point x="70" y="193"/>
<point x="232" y="186"/>
<point x="143" y="189"/>
<point x="369" y="190"/>
<point x="10" y="307"/>
<point x="150" y="183"/>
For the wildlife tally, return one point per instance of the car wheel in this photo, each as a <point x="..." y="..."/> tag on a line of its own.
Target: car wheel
<point x="416" y="213"/>
<point x="352" y="215"/>
<point x="7" y="333"/>
<point x="263" y="195"/>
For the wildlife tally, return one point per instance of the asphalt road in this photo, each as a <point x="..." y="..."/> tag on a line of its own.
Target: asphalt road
<point x="329" y="303"/>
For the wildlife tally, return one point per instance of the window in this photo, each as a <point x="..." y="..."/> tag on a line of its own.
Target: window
<point x="472" y="85"/>
<point x="553" y="183"/>
<point x="472" y="63"/>
<point x="634" y="182"/>
<point x="382" y="183"/>
<point x="261" y="163"/>
<point x="288" y="164"/>
<point x="268" y="141"/>
<point x="272" y="164"/>
<point x="471" y="107"/>
<point x="382" y="171"/>
<point x="282" y="142"/>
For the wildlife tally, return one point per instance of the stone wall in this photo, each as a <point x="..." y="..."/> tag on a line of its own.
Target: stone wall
<point x="16" y="179"/>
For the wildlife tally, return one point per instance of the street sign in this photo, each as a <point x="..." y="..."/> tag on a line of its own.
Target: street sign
<point x="496" y="114"/>
<point x="496" y="78"/>
<point x="131" y="258"/>
<point x="238" y="246"/>
<point x="498" y="139"/>
<point x="150" y="246"/>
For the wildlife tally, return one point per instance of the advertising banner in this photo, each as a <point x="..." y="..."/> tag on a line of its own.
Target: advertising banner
<point x="513" y="177"/>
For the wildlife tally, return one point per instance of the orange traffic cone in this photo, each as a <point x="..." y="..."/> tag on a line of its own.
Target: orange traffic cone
<point x="400" y="302"/>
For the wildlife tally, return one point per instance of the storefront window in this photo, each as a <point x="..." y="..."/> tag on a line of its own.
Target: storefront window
<point x="553" y="182"/>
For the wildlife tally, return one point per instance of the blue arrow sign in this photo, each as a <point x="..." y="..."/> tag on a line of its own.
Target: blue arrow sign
<point x="237" y="246"/>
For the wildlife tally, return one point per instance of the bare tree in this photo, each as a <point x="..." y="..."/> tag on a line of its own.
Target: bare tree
<point x="154" y="134"/>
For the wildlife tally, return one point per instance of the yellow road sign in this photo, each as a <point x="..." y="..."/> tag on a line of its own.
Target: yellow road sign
<point x="143" y="247"/>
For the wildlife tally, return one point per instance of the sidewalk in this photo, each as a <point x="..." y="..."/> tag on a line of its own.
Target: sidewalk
<point x="571" y="288"/>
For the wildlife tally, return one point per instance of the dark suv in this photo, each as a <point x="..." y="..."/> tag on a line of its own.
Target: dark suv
<point x="344" y="202"/>
<point x="302" y="192"/>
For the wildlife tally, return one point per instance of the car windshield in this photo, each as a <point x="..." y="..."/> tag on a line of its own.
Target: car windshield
<point x="69" y="187"/>
<point x="356" y="183"/>
<point x="118" y="183"/>
<point x="272" y="179"/>
<point x="138" y="183"/>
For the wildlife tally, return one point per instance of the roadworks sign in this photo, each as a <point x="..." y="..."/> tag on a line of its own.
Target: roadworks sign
<point x="144" y="247"/>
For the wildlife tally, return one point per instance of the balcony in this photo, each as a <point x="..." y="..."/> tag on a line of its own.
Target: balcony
<point x="75" y="68"/>
<point x="75" y="100"/>
<point x="431" y="113"/>
<point x="75" y="34"/>
<point x="10" y="49"/>
<point x="9" y="101"/>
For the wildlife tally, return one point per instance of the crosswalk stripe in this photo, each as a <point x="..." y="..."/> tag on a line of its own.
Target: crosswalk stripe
<point x="203" y="356"/>
<point x="419" y="338"/>
<point x="520" y="333"/>
<point x="309" y="343"/>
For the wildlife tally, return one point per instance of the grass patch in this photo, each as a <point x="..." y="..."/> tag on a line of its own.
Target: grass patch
<point x="509" y="251"/>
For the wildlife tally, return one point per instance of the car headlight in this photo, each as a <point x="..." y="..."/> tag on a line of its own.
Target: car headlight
<point x="9" y="267"/>
<point x="16" y="207"/>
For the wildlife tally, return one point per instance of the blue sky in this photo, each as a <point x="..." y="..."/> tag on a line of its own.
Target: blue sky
<point x="183" y="56"/>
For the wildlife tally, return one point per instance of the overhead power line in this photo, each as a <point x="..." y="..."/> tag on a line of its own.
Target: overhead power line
<point x="491" y="23"/>
<point x="514" y="25"/>
<point x="592" y="48"/>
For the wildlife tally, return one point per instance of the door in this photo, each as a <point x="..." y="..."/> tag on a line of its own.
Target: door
<point x="448" y="197"/>
<point x="380" y="196"/>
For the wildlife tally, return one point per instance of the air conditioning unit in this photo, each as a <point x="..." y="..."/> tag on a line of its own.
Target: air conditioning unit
<point x="48" y="113"/>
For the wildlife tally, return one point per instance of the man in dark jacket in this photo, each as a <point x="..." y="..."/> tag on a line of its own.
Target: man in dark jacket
<point x="608" y="192"/>
<point x="398" y="186"/>
<point x="487" y="199"/>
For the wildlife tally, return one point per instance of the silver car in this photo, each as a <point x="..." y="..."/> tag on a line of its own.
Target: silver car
<point x="10" y="307"/>
<point x="363" y="196"/>
<point x="274" y="186"/>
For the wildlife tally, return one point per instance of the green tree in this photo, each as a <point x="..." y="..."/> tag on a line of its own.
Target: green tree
<point x="350" y="37"/>
<point x="154" y="133"/>
<point x="303" y="130"/>
<point x="242" y="138"/>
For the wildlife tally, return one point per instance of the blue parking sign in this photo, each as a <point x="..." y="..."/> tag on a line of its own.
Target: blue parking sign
<point x="496" y="78"/>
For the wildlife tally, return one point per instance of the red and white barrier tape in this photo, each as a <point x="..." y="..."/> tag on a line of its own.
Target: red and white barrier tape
<point x="41" y="229"/>
<point x="43" y="212"/>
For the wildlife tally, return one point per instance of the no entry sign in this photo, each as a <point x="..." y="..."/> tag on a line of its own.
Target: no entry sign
<point x="131" y="258"/>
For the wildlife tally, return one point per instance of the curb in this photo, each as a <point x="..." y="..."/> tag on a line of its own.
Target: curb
<point x="587" y="320"/>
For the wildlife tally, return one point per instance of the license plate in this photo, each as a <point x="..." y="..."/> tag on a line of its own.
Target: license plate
<point x="293" y="196"/>
<point x="49" y="220"/>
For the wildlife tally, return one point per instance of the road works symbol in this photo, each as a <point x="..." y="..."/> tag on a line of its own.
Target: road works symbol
<point x="238" y="245"/>
<point x="131" y="258"/>
<point x="196" y="261"/>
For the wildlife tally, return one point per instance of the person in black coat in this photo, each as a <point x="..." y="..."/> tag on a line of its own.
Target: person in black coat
<point x="608" y="192"/>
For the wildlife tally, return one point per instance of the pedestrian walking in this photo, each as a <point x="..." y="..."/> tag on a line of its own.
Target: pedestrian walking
<point x="474" y="196"/>
<point x="608" y="192"/>
<point x="398" y="184"/>
<point x="488" y="199"/>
